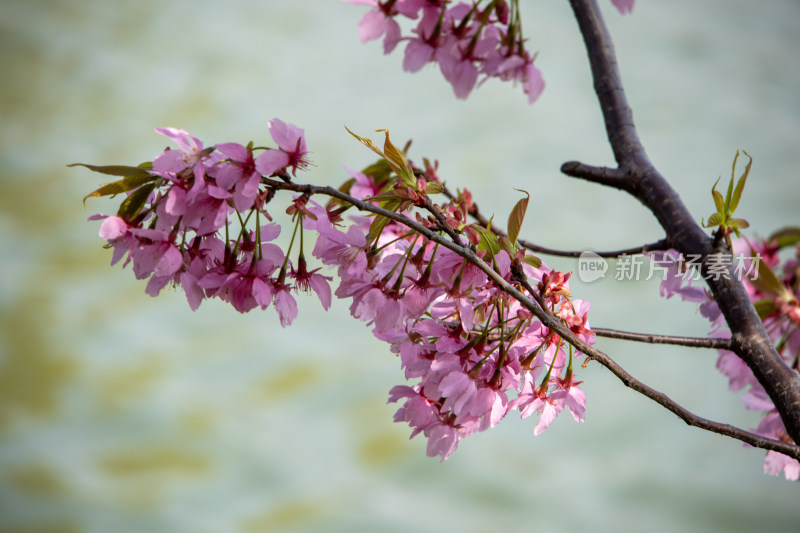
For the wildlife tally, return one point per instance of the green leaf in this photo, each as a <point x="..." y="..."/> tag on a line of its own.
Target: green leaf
<point x="764" y="307"/>
<point x="505" y="244"/>
<point x="730" y="184"/>
<point x="384" y="197"/>
<point x="738" y="223"/>
<point x="516" y="217"/>
<point x="124" y="185"/>
<point x="489" y="241"/>
<point x="379" y="171"/>
<point x="133" y="204"/>
<point x="737" y="194"/>
<point x="714" y="220"/>
<point x="433" y="187"/>
<point x="532" y="260"/>
<point x="767" y="282"/>
<point x="377" y="226"/>
<point x="718" y="201"/>
<point x="786" y="237"/>
<point x="117" y="170"/>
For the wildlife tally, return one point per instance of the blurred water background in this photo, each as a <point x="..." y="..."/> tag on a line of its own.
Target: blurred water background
<point x="127" y="414"/>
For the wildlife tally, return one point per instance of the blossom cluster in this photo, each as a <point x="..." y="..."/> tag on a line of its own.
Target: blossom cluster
<point x="470" y="41"/>
<point x="469" y="345"/>
<point x="774" y="288"/>
<point x="193" y="218"/>
<point x="187" y="221"/>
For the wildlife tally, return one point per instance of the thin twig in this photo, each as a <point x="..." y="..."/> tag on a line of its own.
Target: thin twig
<point x="693" y="342"/>
<point x="430" y="207"/>
<point x="475" y="213"/>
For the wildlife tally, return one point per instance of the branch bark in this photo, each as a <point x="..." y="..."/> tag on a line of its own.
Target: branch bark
<point x="749" y="338"/>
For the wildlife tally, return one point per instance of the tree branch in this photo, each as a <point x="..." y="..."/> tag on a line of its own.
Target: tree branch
<point x="611" y="177"/>
<point x="549" y="320"/>
<point x="475" y="213"/>
<point x="749" y="340"/>
<point x="693" y="342"/>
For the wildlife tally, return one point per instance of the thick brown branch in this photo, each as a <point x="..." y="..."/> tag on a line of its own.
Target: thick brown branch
<point x="749" y="338"/>
<point x="693" y="342"/>
<point x="611" y="177"/>
<point x="548" y="319"/>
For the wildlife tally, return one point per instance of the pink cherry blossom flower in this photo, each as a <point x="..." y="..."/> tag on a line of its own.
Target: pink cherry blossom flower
<point x="239" y="174"/>
<point x="574" y="396"/>
<point x="284" y="303"/>
<point x="245" y="287"/>
<point x="533" y="398"/>
<point x="292" y="150"/>
<point x="307" y="281"/>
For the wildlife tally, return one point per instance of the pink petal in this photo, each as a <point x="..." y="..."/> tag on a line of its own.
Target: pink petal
<point x="549" y="413"/>
<point x="371" y="26"/>
<point x="323" y="290"/>
<point x="286" y="135"/>
<point x="112" y="228"/>
<point x="234" y="151"/>
<point x="187" y="142"/>
<point x="533" y="84"/>
<point x="271" y="162"/>
<point x="170" y="262"/>
<point x="418" y="54"/>
<point x="261" y="293"/>
<point x="169" y="161"/>
<point x="576" y="402"/>
<point x="286" y="307"/>
<point x="623" y="6"/>
<point x="194" y="294"/>
<point x="393" y="36"/>
<point x="270" y="231"/>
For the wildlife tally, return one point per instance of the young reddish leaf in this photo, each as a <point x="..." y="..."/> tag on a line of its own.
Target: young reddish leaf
<point x="366" y="142"/>
<point x="737" y="194"/>
<point x="516" y="217"/>
<point x="395" y="158"/>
